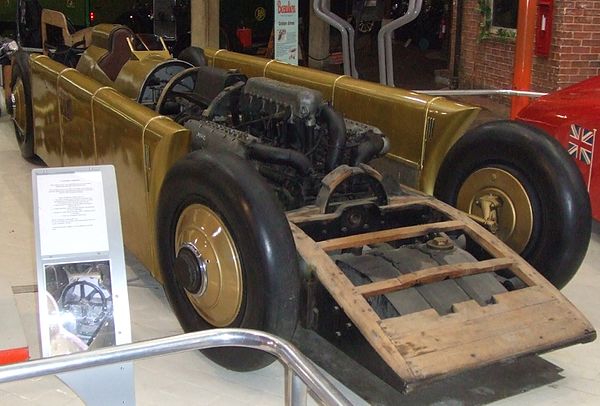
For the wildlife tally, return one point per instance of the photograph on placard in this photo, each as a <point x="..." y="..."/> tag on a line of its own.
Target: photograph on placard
<point x="80" y="306"/>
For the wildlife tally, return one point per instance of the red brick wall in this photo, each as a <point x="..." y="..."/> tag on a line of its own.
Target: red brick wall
<point x="574" y="53"/>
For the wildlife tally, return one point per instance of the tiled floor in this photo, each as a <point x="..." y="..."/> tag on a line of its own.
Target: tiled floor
<point x="189" y="378"/>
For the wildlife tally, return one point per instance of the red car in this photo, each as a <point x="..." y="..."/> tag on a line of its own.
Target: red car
<point x="572" y="116"/>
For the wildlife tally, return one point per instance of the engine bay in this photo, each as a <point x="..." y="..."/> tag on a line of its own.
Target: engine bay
<point x="293" y="137"/>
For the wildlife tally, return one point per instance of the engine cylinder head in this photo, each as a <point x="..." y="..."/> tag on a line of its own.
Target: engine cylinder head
<point x="304" y="104"/>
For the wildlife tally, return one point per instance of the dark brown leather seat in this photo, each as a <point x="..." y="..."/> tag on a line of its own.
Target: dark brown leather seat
<point x="118" y="52"/>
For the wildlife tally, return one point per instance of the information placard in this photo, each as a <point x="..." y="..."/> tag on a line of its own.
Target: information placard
<point x="286" y="31"/>
<point x="82" y="282"/>
<point x="72" y="215"/>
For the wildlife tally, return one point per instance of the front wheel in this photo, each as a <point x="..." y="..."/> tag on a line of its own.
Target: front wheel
<point x="226" y="253"/>
<point x="522" y="185"/>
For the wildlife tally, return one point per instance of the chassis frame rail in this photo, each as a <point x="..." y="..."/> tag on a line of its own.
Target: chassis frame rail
<point x="301" y="376"/>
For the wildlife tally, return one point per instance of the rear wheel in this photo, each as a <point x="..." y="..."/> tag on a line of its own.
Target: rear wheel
<point x="226" y="253"/>
<point x="522" y="185"/>
<point x="20" y="103"/>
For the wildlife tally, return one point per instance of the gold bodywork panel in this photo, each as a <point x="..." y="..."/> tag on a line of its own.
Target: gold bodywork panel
<point x="75" y="97"/>
<point x="79" y="121"/>
<point x="421" y="128"/>
<point x="133" y="75"/>
<point x="46" y="114"/>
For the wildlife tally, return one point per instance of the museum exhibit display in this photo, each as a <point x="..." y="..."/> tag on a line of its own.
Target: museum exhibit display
<point x="264" y="195"/>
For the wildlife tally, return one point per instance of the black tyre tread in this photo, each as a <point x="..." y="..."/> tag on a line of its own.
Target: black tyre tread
<point x="241" y="197"/>
<point x="563" y="225"/>
<point x="21" y="70"/>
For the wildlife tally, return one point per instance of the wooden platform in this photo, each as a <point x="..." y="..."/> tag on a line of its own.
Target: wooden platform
<point x="425" y="345"/>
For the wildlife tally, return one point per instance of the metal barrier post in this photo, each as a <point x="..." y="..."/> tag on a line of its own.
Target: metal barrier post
<point x="295" y="389"/>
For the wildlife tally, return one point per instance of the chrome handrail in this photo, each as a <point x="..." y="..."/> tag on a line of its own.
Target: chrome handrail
<point x="300" y="372"/>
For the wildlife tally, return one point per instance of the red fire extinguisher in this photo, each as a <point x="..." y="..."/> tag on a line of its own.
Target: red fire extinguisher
<point x="245" y="36"/>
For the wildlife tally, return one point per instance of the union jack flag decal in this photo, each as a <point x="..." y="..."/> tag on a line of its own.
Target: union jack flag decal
<point x="581" y="143"/>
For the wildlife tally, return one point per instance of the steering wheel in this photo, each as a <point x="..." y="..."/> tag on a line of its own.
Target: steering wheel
<point x="71" y="300"/>
<point x="178" y="95"/>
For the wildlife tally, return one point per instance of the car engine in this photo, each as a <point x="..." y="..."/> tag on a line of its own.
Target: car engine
<point x="293" y="137"/>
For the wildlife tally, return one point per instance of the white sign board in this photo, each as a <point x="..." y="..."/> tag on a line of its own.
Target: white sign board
<point x="71" y="213"/>
<point x="286" y="31"/>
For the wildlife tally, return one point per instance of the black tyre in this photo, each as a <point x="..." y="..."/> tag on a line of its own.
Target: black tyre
<point x="226" y="252"/>
<point x="532" y="185"/>
<point x="20" y="104"/>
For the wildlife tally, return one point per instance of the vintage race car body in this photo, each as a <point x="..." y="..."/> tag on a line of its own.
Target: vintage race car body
<point x="423" y="130"/>
<point x="65" y="137"/>
<point x="571" y="116"/>
<point x="252" y="201"/>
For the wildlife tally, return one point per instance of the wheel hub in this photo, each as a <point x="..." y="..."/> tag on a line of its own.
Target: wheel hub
<point x="207" y="265"/>
<point x="498" y="200"/>
<point x="190" y="270"/>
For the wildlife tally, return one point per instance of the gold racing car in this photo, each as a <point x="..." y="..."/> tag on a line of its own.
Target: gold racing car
<point x="248" y="188"/>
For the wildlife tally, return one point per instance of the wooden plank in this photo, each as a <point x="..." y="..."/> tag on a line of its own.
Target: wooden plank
<point x="312" y="213"/>
<point x="306" y="213"/>
<point x="469" y="309"/>
<point x="355" y="306"/>
<point x="407" y="201"/>
<point x="440" y="339"/>
<point x="434" y="274"/>
<point x="541" y="334"/>
<point x="398" y="327"/>
<point x="377" y="237"/>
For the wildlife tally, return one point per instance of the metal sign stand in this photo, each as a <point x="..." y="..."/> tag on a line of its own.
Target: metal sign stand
<point x="82" y="294"/>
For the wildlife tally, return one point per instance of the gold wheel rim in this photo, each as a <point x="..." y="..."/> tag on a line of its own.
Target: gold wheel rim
<point x="220" y="303"/>
<point x="19" y="114"/>
<point x="514" y="215"/>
